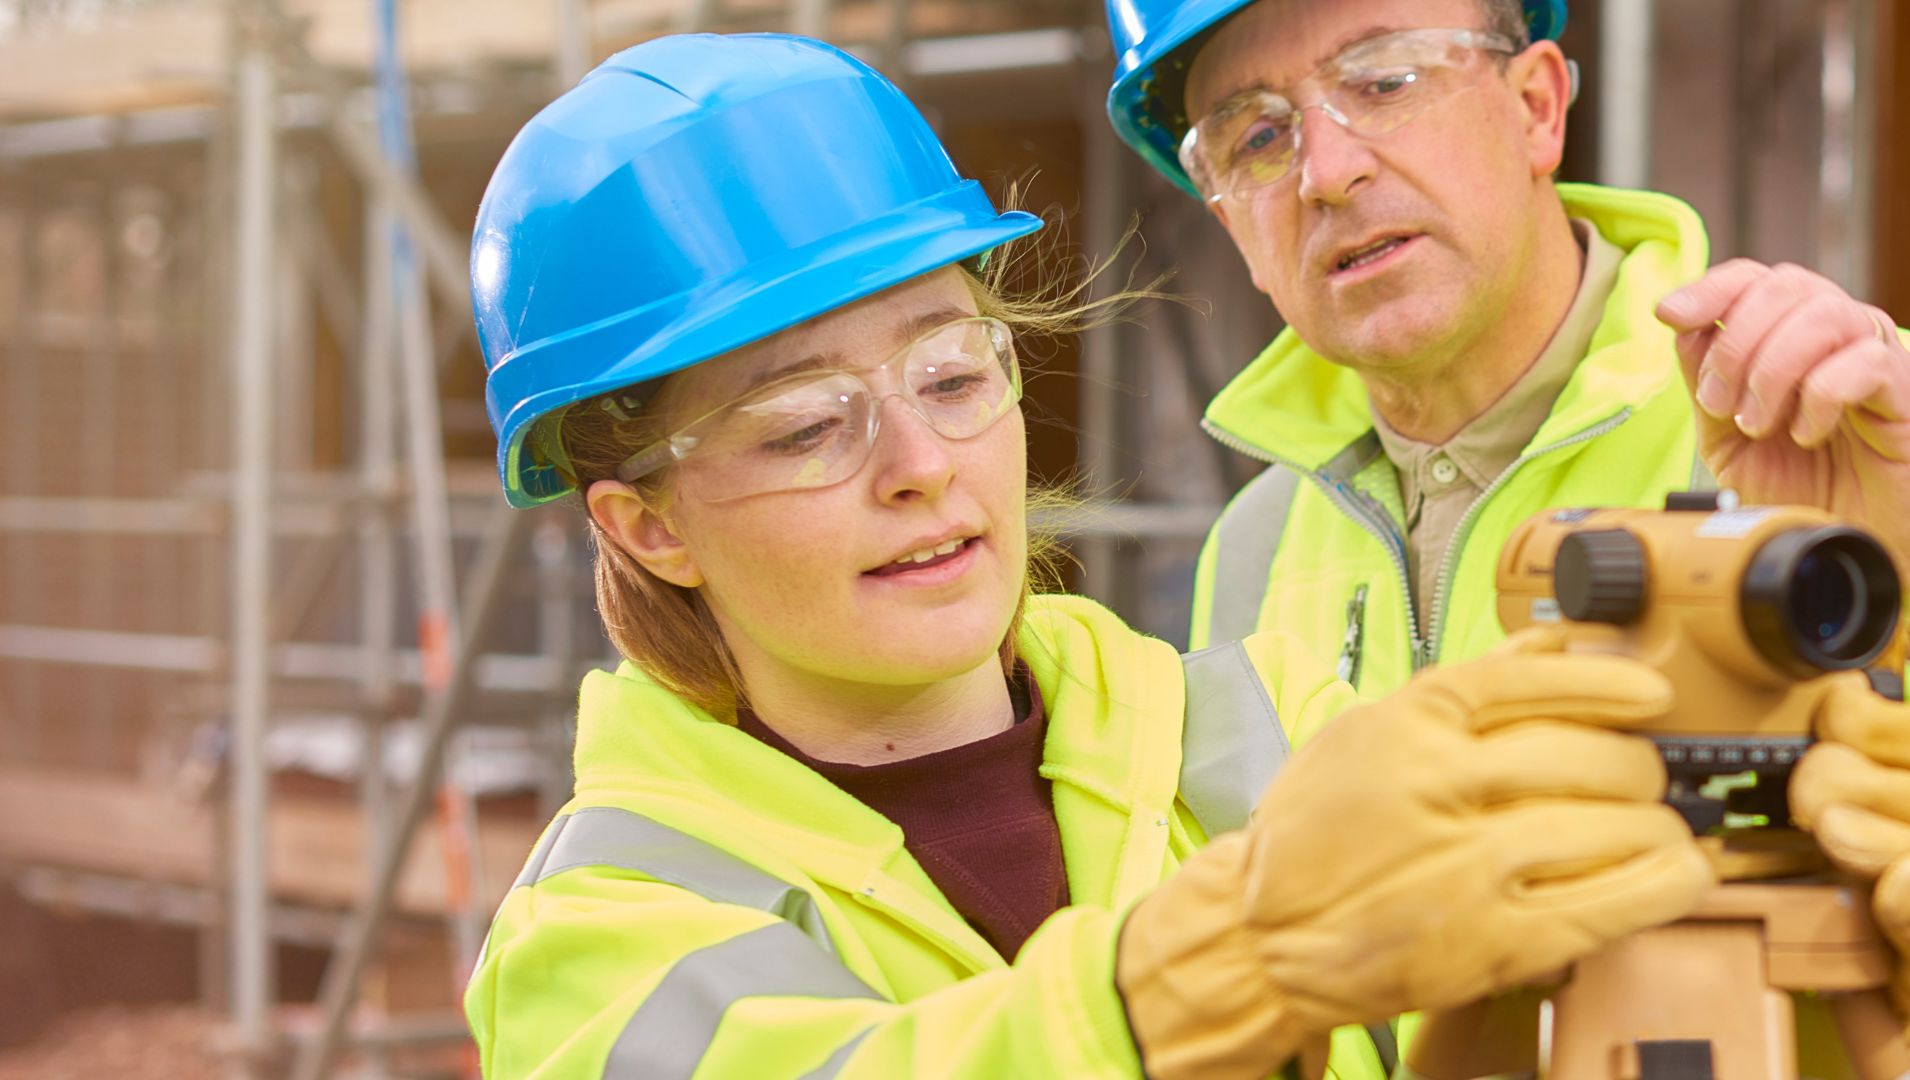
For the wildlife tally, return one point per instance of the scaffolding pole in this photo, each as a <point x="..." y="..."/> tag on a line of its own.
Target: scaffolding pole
<point x="431" y="497"/>
<point x="483" y="603"/>
<point x="254" y="259"/>
<point x="572" y="60"/>
<point x="1625" y="50"/>
<point x="377" y="536"/>
<point x="1848" y="169"/>
<point x="1105" y="202"/>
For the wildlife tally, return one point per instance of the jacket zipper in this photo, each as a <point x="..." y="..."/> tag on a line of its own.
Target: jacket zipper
<point x="1351" y="503"/>
<point x="1355" y="505"/>
<point x="1450" y="563"/>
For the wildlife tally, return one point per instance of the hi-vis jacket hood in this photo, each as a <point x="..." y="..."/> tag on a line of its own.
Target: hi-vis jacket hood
<point x="706" y="904"/>
<point x="1315" y="545"/>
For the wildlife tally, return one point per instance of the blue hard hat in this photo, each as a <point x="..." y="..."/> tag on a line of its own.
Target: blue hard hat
<point x="1150" y="67"/>
<point x="691" y="195"/>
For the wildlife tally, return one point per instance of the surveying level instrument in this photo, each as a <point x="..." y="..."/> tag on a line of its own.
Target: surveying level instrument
<point x="1749" y="611"/>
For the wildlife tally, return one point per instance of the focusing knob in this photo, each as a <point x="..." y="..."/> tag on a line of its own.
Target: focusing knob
<point x="1600" y="577"/>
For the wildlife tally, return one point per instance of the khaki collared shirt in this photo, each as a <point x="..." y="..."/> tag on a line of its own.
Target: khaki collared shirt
<point x="1438" y="484"/>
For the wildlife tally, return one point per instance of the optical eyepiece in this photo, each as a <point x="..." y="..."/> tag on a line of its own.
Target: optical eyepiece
<point x="1822" y="599"/>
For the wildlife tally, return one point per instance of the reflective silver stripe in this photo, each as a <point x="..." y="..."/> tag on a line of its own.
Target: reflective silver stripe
<point x="608" y="836"/>
<point x="1246" y="538"/>
<point x="1231" y="741"/>
<point x="1354" y="457"/>
<point x="670" y="1032"/>
<point x="828" y="1069"/>
<point x="533" y="871"/>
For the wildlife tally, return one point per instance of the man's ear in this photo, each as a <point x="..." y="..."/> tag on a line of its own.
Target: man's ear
<point x="1543" y="80"/>
<point x="643" y="532"/>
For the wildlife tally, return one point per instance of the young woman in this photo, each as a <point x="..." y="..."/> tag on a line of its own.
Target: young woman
<point x="858" y="805"/>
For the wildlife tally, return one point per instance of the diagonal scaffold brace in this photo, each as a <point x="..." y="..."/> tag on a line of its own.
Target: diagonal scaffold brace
<point x="482" y="604"/>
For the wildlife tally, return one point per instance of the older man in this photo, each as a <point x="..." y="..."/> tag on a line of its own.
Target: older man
<point x="1469" y="342"/>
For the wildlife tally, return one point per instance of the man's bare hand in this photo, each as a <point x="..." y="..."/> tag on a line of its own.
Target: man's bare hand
<point x="1803" y="393"/>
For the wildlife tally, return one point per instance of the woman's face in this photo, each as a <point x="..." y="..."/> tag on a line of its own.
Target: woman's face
<point x="821" y="583"/>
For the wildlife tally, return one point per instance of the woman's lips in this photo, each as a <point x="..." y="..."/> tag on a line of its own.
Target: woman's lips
<point x="936" y="570"/>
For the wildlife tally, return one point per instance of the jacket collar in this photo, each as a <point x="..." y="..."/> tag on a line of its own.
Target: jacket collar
<point x="1292" y="405"/>
<point x="1105" y="688"/>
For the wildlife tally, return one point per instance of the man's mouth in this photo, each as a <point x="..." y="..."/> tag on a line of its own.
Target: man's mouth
<point x="1371" y="253"/>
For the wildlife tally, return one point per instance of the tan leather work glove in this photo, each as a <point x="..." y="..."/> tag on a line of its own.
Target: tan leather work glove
<point x="1479" y="829"/>
<point x="1852" y="792"/>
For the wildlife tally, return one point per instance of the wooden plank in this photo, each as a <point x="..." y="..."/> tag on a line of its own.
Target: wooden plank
<point x="153" y="57"/>
<point x="105" y="824"/>
<point x="175" y="54"/>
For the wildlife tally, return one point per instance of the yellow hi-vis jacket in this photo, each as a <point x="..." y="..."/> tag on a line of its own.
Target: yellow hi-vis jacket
<point x="706" y="906"/>
<point x="1314" y="546"/>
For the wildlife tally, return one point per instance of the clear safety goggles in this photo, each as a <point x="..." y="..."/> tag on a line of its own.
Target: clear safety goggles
<point x="816" y="428"/>
<point x="1372" y="88"/>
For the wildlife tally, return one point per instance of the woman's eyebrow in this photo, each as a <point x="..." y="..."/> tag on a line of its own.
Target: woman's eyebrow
<point x="813" y="360"/>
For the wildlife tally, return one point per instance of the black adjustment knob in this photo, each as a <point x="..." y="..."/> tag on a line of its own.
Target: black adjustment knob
<point x="1600" y="577"/>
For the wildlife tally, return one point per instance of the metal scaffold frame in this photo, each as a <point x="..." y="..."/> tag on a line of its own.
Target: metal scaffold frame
<point x="255" y="106"/>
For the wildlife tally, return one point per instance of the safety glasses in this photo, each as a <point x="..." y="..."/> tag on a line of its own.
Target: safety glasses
<point x="814" y="429"/>
<point x="1373" y="88"/>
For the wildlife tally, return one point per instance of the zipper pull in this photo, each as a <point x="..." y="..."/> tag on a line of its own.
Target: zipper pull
<point x="1349" y="666"/>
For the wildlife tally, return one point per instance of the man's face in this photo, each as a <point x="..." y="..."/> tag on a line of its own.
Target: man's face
<point x="1386" y="250"/>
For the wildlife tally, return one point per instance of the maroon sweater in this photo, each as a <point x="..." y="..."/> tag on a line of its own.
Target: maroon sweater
<point x="978" y="818"/>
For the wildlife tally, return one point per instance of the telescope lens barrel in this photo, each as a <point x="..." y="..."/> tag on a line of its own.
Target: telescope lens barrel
<point x="1818" y="600"/>
<point x="1828" y="604"/>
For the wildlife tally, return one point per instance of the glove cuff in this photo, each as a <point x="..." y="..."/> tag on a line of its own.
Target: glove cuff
<point x="1198" y="999"/>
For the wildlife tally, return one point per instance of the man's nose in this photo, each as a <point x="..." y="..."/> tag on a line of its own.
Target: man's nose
<point x="1333" y="160"/>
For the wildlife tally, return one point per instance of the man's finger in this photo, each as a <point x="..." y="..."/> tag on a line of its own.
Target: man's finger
<point x="1876" y="727"/>
<point x="1860" y="841"/>
<point x="1702" y="303"/>
<point x="1723" y="377"/>
<point x="1692" y="346"/>
<point x="1806" y="336"/>
<point x="1533" y="640"/>
<point x="1833" y="775"/>
<point x="1607" y="869"/>
<point x="1890" y="903"/>
<point x="1609" y="691"/>
<point x="1550" y="759"/>
<point x="1858" y="375"/>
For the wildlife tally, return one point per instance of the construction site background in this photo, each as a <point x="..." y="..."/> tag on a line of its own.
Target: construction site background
<point x="257" y="585"/>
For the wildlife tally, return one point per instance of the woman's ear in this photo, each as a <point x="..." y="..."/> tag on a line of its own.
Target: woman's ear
<point x="644" y="533"/>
